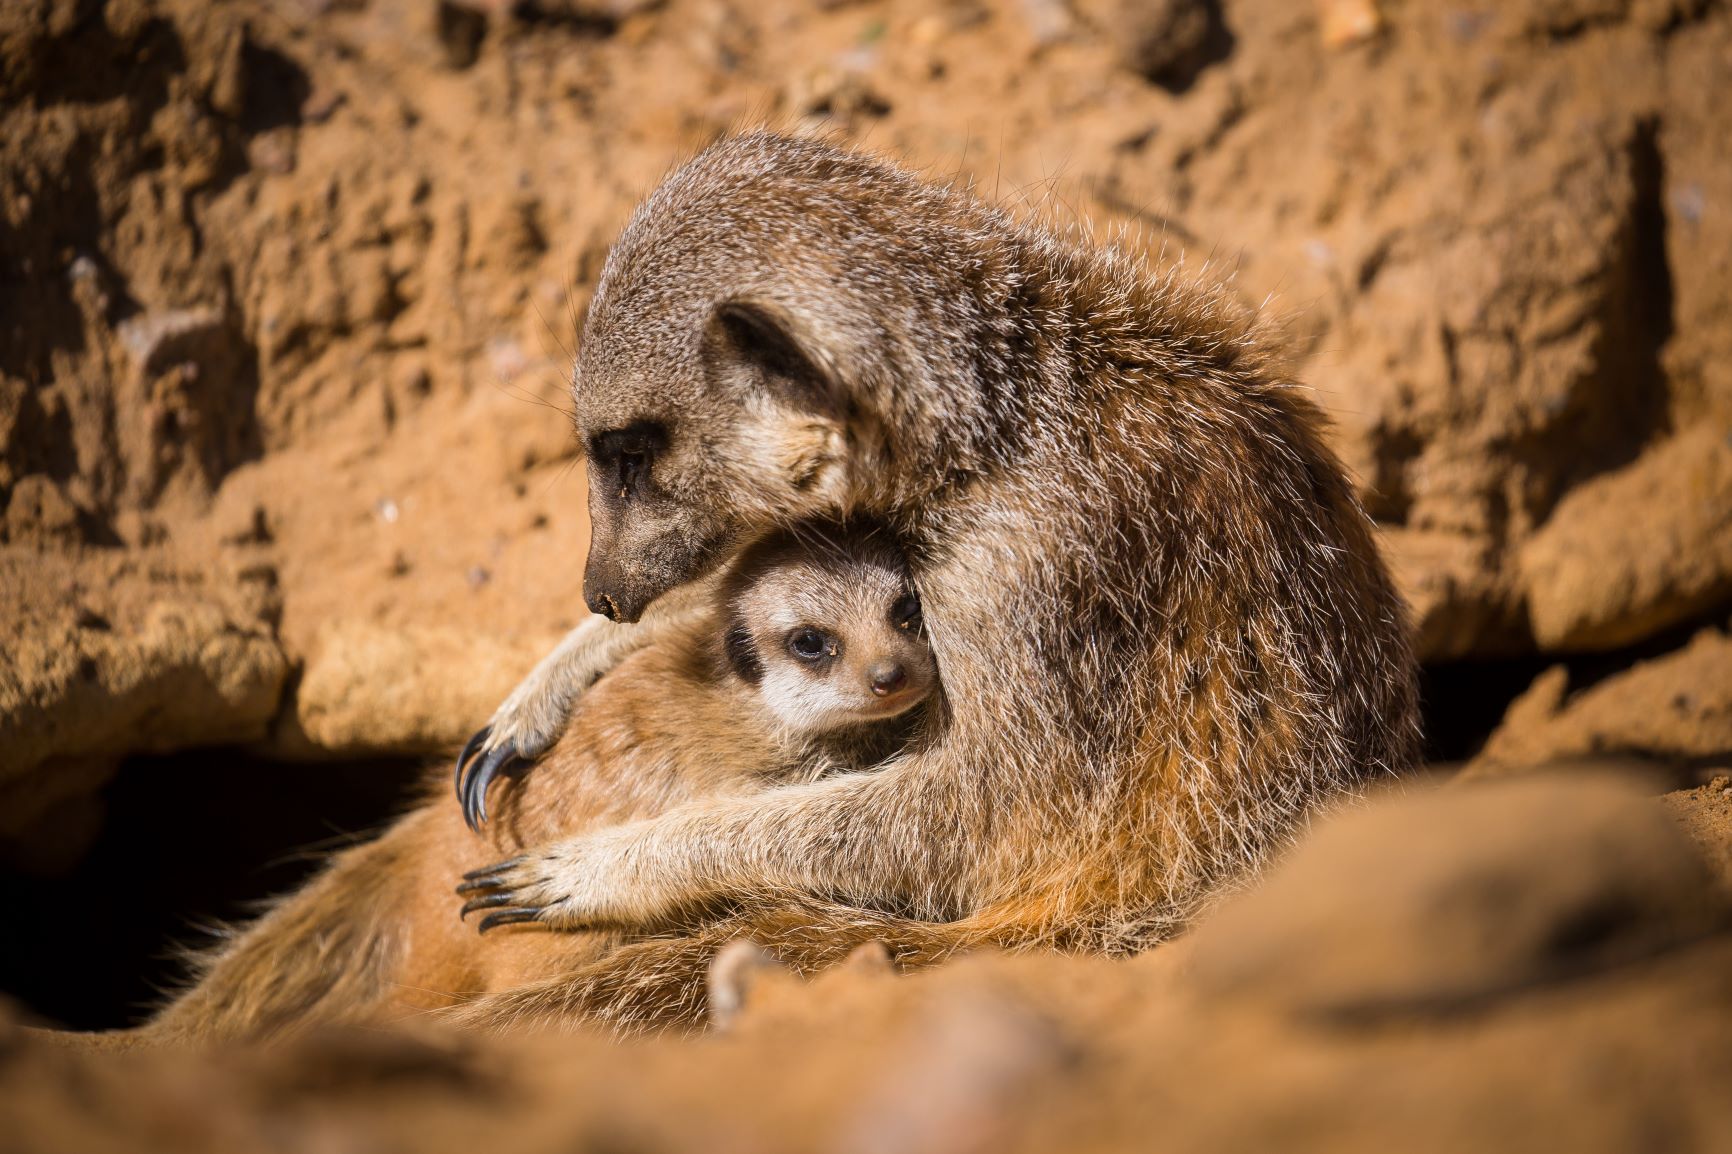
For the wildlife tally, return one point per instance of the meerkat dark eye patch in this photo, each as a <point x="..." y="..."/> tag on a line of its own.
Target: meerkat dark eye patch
<point x="640" y="438"/>
<point x="624" y="455"/>
<point x="905" y="612"/>
<point x="742" y="654"/>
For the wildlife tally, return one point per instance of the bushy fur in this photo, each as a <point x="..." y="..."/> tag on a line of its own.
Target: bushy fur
<point x="1162" y="624"/>
<point x="376" y="937"/>
<point x="1163" y="629"/>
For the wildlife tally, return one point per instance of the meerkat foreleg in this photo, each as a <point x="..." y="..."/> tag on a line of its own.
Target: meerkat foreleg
<point x="533" y="717"/>
<point x="891" y="836"/>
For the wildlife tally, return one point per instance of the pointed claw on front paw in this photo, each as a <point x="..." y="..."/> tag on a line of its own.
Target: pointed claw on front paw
<point x="508" y="917"/>
<point x="482" y="885"/>
<point x="482" y="771"/>
<point x="470" y="749"/>
<point x="487" y="877"/>
<point x="490" y="901"/>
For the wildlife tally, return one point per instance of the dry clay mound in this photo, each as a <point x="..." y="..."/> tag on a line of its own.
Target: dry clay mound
<point x="282" y="281"/>
<point x="1517" y="965"/>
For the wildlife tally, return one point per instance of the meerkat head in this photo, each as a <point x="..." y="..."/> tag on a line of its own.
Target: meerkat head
<point x="827" y="625"/>
<point x="751" y="355"/>
<point x="690" y="455"/>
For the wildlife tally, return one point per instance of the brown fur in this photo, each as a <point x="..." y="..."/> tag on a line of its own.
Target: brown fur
<point x="1163" y="628"/>
<point x="376" y="935"/>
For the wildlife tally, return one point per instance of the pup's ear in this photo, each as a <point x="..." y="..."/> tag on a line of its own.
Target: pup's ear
<point x="760" y="343"/>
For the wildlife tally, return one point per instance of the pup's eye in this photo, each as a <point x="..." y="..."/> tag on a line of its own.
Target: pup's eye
<point x="905" y="612"/>
<point x="810" y="645"/>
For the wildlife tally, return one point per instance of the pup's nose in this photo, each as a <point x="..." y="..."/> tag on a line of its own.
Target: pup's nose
<point x="887" y="678"/>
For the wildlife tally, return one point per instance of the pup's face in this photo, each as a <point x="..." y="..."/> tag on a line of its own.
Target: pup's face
<point x="832" y="642"/>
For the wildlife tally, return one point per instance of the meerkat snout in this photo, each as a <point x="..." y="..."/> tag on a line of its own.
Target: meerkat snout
<point x="887" y="677"/>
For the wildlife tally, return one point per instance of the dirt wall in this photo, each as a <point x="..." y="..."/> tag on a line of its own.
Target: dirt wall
<point x="285" y="282"/>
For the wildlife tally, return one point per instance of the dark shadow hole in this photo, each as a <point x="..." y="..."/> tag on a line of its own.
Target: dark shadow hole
<point x="276" y="89"/>
<point x="189" y="841"/>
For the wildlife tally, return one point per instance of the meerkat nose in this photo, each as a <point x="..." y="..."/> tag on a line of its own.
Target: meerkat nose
<point x="887" y="678"/>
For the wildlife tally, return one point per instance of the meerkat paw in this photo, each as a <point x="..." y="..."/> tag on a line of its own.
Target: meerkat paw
<point x="511" y="891"/>
<point x="496" y="888"/>
<point x="533" y="717"/>
<point x="565" y="887"/>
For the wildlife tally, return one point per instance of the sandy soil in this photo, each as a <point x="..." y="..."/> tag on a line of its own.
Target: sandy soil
<point x="291" y="286"/>
<point x="1425" y="974"/>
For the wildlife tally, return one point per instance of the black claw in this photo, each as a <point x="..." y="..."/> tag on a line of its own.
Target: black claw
<point x="473" y="792"/>
<point x="507" y="917"/>
<point x="486" y="872"/>
<point x="491" y="882"/>
<point x="469" y="750"/>
<point x="487" y="902"/>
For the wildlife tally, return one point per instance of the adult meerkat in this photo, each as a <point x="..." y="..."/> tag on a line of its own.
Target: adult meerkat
<point x="809" y="660"/>
<point x="1163" y="624"/>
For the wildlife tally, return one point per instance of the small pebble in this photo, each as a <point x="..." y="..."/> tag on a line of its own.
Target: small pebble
<point x="1345" y="22"/>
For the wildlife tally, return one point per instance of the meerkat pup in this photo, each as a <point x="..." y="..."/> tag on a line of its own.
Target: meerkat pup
<point x="811" y="660"/>
<point x="823" y="649"/>
<point x="820" y="646"/>
<point x="1165" y="630"/>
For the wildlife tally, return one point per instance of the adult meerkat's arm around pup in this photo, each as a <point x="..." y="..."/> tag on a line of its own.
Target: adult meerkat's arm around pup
<point x="886" y="838"/>
<point x="529" y="721"/>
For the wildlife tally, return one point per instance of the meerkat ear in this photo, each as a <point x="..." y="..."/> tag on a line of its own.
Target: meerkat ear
<point x="770" y="345"/>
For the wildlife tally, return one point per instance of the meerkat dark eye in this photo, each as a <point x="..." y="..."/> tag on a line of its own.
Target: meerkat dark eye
<point x="633" y="472"/>
<point x="905" y="612"/>
<point x="809" y="645"/>
<point x="624" y="456"/>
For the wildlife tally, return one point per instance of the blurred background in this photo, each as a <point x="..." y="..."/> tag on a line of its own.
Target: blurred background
<point x="289" y="289"/>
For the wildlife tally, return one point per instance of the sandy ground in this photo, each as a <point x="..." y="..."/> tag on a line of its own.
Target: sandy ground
<point x="1541" y="963"/>
<point x="291" y="287"/>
